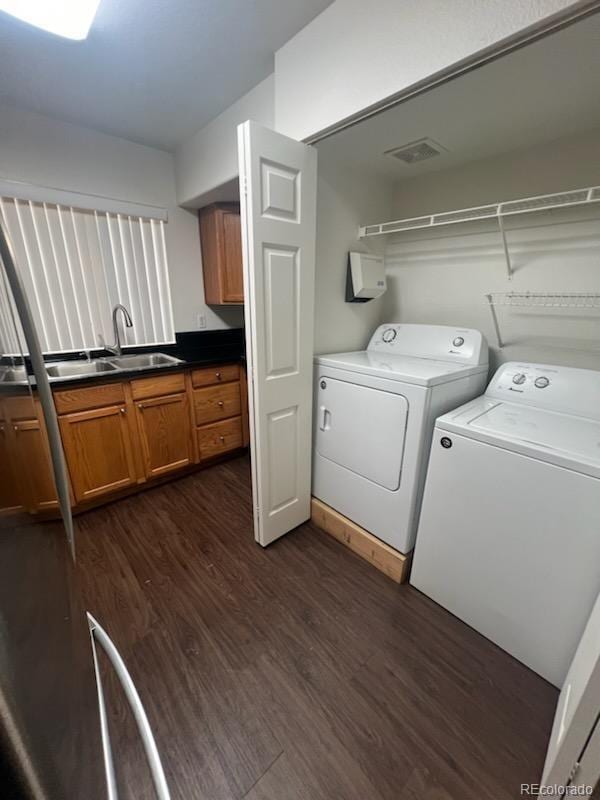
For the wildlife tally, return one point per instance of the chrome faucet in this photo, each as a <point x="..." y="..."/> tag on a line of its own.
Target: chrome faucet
<point x="117" y="349"/>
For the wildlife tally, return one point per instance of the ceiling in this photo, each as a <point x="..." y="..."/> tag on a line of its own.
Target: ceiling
<point x="539" y="93"/>
<point x="150" y="71"/>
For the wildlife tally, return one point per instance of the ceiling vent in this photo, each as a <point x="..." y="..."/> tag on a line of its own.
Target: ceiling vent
<point x="413" y="152"/>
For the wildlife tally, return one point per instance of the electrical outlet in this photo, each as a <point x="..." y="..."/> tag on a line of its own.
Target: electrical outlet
<point x="201" y="321"/>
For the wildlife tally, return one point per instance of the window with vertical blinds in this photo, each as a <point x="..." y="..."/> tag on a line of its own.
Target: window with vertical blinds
<point x="77" y="264"/>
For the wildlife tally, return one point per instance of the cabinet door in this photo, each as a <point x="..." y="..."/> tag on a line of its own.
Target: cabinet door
<point x="98" y="450"/>
<point x="232" y="277"/>
<point x="165" y="433"/>
<point x="10" y="492"/>
<point x="33" y="460"/>
<point x="220" y="234"/>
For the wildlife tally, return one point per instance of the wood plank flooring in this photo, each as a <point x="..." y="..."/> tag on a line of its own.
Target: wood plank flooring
<point x="298" y="672"/>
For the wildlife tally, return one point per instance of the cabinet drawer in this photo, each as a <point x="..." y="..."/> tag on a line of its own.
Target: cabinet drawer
<point x="70" y="400"/>
<point x="211" y="375"/>
<point x="219" y="437"/>
<point x="216" y="402"/>
<point x="157" y="385"/>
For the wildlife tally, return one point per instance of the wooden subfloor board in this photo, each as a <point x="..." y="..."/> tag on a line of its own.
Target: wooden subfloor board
<point x="393" y="563"/>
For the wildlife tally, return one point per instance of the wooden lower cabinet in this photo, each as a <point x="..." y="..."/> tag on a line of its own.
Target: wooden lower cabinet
<point x="165" y="433"/>
<point x="34" y="465"/>
<point x="118" y="435"/>
<point x="11" y="499"/>
<point x="26" y="477"/>
<point x="99" y="451"/>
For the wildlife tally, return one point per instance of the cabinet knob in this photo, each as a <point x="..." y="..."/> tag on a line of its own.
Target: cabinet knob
<point x="221" y="404"/>
<point x="140" y="406"/>
<point x="218" y="376"/>
<point x="222" y="438"/>
<point x="123" y="410"/>
<point x="16" y="427"/>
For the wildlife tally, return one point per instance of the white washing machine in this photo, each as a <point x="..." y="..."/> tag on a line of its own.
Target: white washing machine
<point x="509" y="535"/>
<point x="374" y="415"/>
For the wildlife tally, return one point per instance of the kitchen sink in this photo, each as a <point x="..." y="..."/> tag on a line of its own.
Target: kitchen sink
<point x="13" y="375"/>
<point x="79" y="368"/>
<point x="144" y="361"/>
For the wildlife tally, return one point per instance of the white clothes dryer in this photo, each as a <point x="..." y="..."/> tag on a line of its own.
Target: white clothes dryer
<point x="373" y="421"/>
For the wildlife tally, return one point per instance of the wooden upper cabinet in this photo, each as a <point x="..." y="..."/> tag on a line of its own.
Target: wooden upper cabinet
<point x="98" y="449"/>
<point x="221" y="239"/>
<point x="165" y="433"/>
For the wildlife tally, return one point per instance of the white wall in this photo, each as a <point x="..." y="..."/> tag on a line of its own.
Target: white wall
<point x="343" y="200"/>
<point x="209" y="159"/>
<point x="441" y="276"/>
<point x="43" y="151"/>
<point x="356" y="54"/>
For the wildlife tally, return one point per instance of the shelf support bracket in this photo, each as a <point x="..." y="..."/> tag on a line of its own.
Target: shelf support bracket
<point x="490" y="300"/>
<point x="509" y="269"/>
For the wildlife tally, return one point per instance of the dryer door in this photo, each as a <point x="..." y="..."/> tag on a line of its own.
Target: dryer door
<point x="362" y="429"/>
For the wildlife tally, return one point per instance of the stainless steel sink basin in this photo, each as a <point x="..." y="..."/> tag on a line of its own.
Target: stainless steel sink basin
<point x="144" y="361"/>
<point x="13" y="375"/>
<point x="79" y="368"/>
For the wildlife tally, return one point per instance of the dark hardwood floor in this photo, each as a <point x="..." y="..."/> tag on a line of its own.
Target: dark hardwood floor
<point x="298" y="672"/>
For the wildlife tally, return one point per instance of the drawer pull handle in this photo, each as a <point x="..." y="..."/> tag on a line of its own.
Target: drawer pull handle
<point x="218" y="376"/>
<point x="123" y="410"/>
<point x="140" y="406"/>
<point x="221" y="404"/>
<point x="222" y="438"/>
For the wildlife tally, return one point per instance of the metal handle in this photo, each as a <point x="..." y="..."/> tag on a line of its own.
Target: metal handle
<point x="325" y="413"/>
<point x="221" y="404"/>
<point x="141" y="406"/>
<point x="123" y="410"/>
<point x="218" y="376"/>
<point x="139" y="713"/>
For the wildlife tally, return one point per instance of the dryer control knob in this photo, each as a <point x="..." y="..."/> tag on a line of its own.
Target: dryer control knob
<point x="519" y="378"/>
<point x="388" y="335"/>
<point x="542" y="382"/>
<point x="458" y="342"/>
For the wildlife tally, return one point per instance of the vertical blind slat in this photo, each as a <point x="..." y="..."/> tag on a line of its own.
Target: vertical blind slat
<point x="77" y="265"/>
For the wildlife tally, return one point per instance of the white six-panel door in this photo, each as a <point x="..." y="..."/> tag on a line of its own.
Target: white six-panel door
<point x="278" y="191"/>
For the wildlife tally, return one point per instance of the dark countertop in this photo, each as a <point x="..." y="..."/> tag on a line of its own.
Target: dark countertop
<point x="194" y="349"/>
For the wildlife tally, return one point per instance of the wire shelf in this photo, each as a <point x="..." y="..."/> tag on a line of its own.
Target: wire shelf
<point x="545" y="299"/>
<point x="574" y="300"/>
<point x="494" y="211"/>
<point x="526" y="205"/>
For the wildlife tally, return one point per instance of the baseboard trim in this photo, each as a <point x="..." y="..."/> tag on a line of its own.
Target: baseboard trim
<point x="389" y="561"/>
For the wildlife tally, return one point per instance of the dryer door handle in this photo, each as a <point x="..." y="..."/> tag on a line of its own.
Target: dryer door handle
<point x="325" y="423"/>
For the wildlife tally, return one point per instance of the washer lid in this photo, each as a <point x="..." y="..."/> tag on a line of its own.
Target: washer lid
<point x="562" y="439"/>
<point x="408" y="369"/>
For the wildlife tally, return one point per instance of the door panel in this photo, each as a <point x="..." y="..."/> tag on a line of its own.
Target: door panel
<point x="372" y="445"/>
<point x="575" y="737"/>
<point x="164" y="426"/>
<point x="96" y="469"/>
<point x="278" y="205"/>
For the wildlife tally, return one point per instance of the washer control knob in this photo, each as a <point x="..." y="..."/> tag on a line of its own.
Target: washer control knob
<point x="389" y="335"/>
<point x="519" y="378"/>
<point x="458" y="342"/>
<point x="542" y="382"/>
